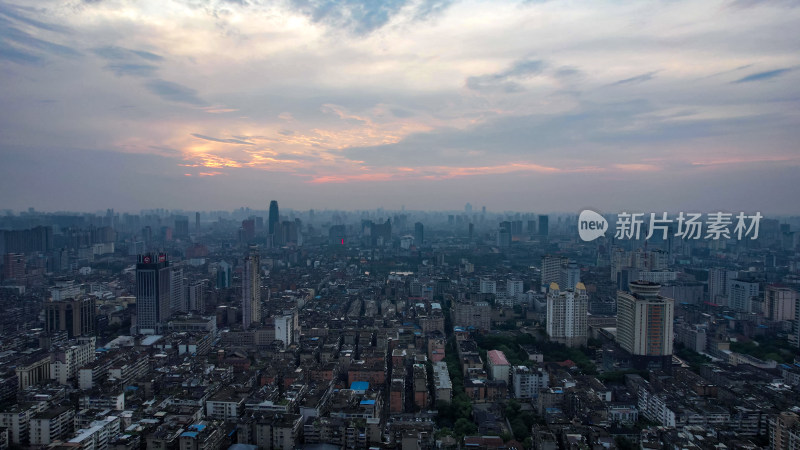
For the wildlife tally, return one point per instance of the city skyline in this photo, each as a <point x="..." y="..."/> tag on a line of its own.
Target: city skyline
<point x="519" y="105"/>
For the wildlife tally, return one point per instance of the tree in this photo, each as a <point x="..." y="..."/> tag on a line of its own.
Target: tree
<point x="464" y="427"/>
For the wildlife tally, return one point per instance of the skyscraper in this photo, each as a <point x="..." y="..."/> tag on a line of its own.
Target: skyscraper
<point x="223" y="275"/>
<point x="274" y="217"/>
<point x="251" y="288"/>
<point x="153" y="292"/>
<point x="177" y="293"/>
<point x="567" y="315"/>
<point x="644" y="323"/>
<point x="181" y="227"/>
<point x="544" y="228"/>
<point x="419" y="234"/>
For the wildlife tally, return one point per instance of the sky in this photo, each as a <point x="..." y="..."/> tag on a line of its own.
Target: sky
<point x="674" y="105"/>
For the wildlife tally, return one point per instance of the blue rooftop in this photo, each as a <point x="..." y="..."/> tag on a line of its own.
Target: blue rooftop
<point x="359" y="386"/>
<point x="367" y="402"/>
<point x="198" y="427"/>
<point x="190" y="434"/>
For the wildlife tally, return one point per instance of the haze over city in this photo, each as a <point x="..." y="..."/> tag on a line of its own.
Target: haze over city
<point x="544" y="106"/>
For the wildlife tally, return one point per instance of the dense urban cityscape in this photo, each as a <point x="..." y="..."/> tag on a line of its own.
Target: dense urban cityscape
<point x="286" y="329"/>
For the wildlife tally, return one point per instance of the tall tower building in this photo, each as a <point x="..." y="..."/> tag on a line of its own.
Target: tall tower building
<point x="153" y="293"/>
<point x="196" y="296"/>
<point x="177" y="291"/>
<point x="419" y="234"/>
<point x="644" y="323"/>
<point x="544" y="227"/>
<point x="251" y="289"/>
<point x="795" y="337"/>
<point x="274" y="217"/>
<point x="779" y="303"/>
<point x="570" y="275"/>
<point x="287" y="328"/>
<point x="223" y="275"/>
<point x="567" y="315"/>
<point x="181" y="227"/>
<point x="504" y="234"/>
<point x="718" y="280"/>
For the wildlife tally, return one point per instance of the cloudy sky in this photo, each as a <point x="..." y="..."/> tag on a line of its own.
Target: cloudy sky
<point x="524" y="105"/>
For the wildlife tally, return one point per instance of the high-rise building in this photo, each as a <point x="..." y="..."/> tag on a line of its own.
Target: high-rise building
<point x="13" y="266"/>
<point x="337" y="234"/>
<point x="181" y="227"/>
<point x="741" y="294"/>
<point x="644" y="322"/>
<point x="419" y="234"/>
<point x="36" y="239"/>
<point x="551" y="269"/>
<point x="197" y="223"/>
<point x="567" y="315"/>
<point x="514" y="287"/>
<point x="570" y="275"/>
<point x="251" y="289"/>
<point x="488" y="286"/>
<point x="223" y="275"/>
<point x="153" y="294"/>
<point x="544" y="227"/>
<point x="177" y="292"/>
<point x="504" y="234"/>
<point x="795" y="337"/>
<point x="287" y="328"/>
<point x="779" y="303"/>
<point x="76" y="316"/>
<point x="381" y="233"/>
<point x="248" y="230"/>
<point x="718" y="283"/>
<point x="195" y="296"/>
<point x="274" y="217"/>
<point x="784" y="431"/>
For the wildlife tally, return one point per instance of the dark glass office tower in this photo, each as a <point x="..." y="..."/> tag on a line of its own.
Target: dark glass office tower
<point x="274" y="217"/>
<point x="152" y="292"/>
